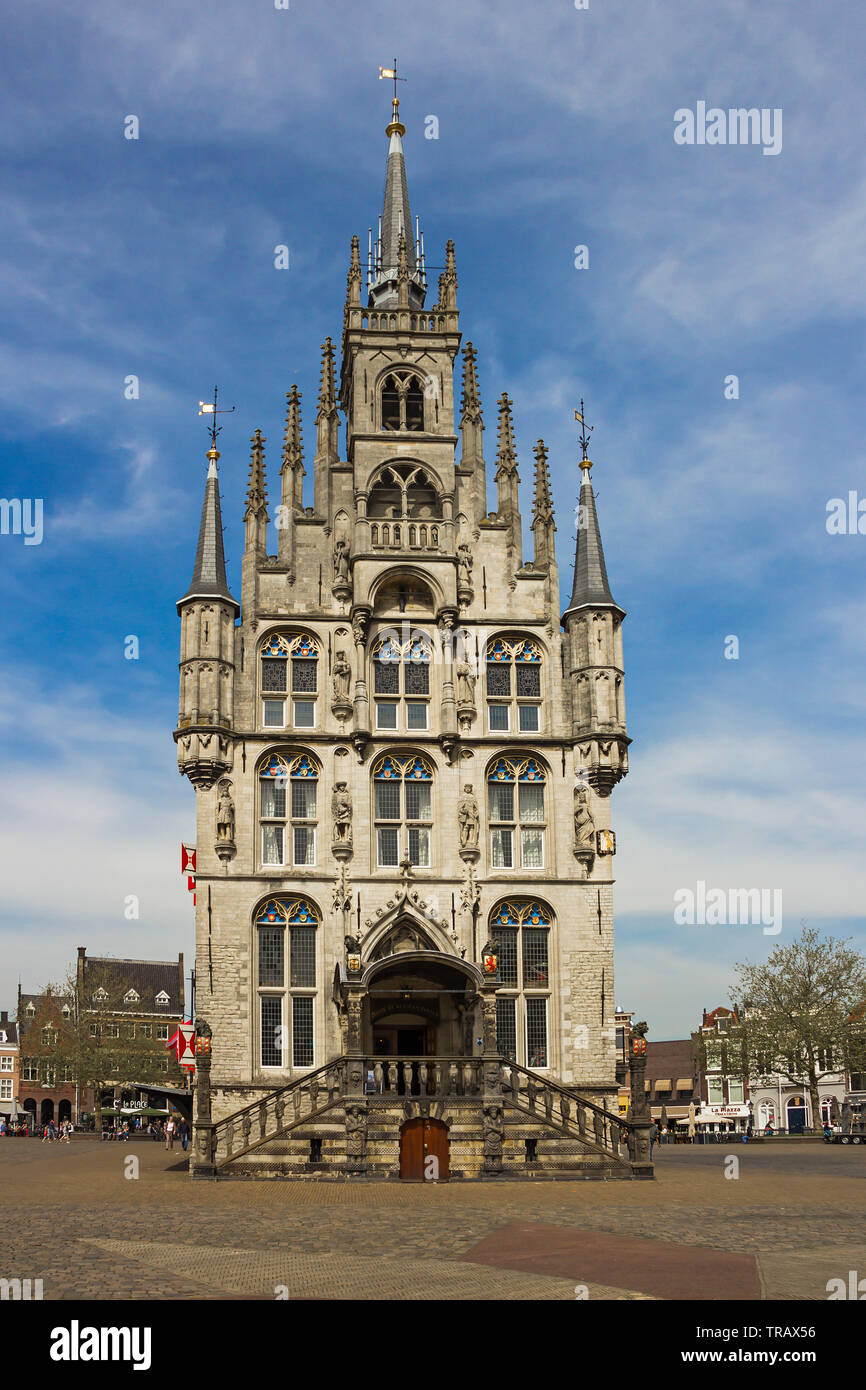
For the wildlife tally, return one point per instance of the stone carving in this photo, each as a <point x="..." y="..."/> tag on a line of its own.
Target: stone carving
<point x="468" y="818"/>
<point x="225" y="816"/>
<point x="356" y="1138"/>
<point x="342" y="675"/>
<point x="464" y="566"/>
<point x="359" y="626"/>
<point x="342" y="893"/>
<point x="341" y="810"/>
<point x="341" y="562"/>
<point x="494" y="1131"/>
<point x="584" y="825"/>
<point x="466" y="678"/>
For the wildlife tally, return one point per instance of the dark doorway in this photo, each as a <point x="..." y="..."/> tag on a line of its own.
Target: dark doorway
<point x="424" y="1151"/>
<point x="64" y="1111"/>
<point x="796" y="1115"/>
<point x="46" y="1111"/>
<point x="410" y="1042"/>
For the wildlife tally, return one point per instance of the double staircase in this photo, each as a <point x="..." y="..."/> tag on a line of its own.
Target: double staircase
<point x="344" y="1120"/>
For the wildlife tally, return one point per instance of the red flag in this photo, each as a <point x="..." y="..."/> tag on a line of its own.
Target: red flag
<point x="187" y="859"/>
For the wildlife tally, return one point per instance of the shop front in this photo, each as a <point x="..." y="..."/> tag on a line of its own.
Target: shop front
<point x="716" y="1120"/>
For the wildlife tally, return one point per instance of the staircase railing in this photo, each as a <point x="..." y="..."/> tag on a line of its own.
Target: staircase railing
<point x="422" y="1076"/>
<point x="565" y="1110"/>
<point x="302" y="1100"/>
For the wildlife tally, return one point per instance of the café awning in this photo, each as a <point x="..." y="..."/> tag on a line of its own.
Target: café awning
<point x="663" y="1085"/>
<point x="685" y="1083"/>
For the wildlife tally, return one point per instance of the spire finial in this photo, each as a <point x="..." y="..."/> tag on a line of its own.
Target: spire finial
<point x="395" y="124"/>
<point x="471" y="401"/>
<point x="206" y="408"/>
<point x="327" y="387"/>
<point x="256" y="495"/>
<point x="506" y="458"/>
<point x="583" y="440"/>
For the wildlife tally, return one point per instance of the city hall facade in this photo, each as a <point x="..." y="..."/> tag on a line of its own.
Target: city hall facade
<point x="403" y="752"/>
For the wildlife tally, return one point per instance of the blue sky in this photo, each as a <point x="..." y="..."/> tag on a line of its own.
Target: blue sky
<point x="155" y="257"/>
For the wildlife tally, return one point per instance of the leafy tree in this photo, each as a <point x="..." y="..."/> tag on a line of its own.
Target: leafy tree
<point x="802" y="1007"/>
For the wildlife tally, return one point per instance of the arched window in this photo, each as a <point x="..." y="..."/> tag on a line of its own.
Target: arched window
<point x="280" y="686"/>
<point x="285" y="931"/>
<point x="517" y="813"/>
<point x="402" y="402"/>
<point x="513" y="686"/>
<point x="288" y="810"/>
<point x="521" y="929"/>
<point x="403" y="810"/>
<point x="401" y="682"/>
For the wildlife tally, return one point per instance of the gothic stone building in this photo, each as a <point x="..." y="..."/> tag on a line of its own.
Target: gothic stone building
<point x="403" y="760"/>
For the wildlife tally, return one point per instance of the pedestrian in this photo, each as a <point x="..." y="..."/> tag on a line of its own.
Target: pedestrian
<point x="653" y="1135"/>
<point x="45" y="1134"/>
<point x="169" y="1134"/>
<point x="183" y="1133"/>
<point x="52" y="1132"/>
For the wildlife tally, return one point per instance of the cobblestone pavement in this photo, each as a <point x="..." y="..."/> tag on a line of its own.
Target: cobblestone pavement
<point x="74" y="1219"/>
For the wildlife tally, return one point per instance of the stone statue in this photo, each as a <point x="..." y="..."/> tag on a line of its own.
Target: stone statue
<point x="466" y="678"/>
<point x="468" y="818"/>
<point x="341" y="562"/>
<point x="352" y="944"/>
<point x="464" y="566"/>
<point x="341" y="676"/>
<point x="584" y="825"/>
<point x="341" y="810"/>
<point x="225" y="819"/>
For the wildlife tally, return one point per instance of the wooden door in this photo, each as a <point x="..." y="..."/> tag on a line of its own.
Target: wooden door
<point x="424" y="1151"/>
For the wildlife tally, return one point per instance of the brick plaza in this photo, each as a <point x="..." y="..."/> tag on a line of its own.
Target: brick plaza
<point x="791" y="1221"/>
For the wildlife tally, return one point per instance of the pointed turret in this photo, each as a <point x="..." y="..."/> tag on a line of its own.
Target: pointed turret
<point x="591" y="588"/>
<point x="256" y="514"/>
<point x="593" y="623"/>
<point x="507" y="478"/>
<point x="209" y="573"/>
<point x="471" y="430"/>
<point x="543" y="527"/>
<point x="396" y="221"/>
<point x="354" y="277"/>
<point x="327" y="431"/>
<point x="207" y="613"/>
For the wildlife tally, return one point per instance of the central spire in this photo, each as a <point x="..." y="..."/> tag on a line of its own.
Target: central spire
<point x="383" y="263"/>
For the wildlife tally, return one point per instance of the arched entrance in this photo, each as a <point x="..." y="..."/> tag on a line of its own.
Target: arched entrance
<point x="46" y="1112"/>
<point x="796" y="1111"/>
<point x="65" y="1110"/>
<point x="420" y="1004"/>
<point x="424" y="1151"/>
<point x="30" y="1107"/>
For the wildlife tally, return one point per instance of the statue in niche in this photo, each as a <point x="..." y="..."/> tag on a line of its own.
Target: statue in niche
<point x="466" y="678"/>
<point x="468" y="818"/>
<point x="341" y="676"/>
<point x="584" y="825"/>
<point x="341" y="810"/>
<point x="225" y="817"/>
<point x="464" y="566"/>
<point x="341" y="562"/>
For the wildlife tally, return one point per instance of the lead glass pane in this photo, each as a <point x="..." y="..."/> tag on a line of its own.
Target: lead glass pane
<point x="387" y="837"/>
<point x="506" y="1027"/>
<point x="271" y="962"/>
<point x="272" y="1028"/>
<point x="387" y="678"/>
<point x="419" y="848"/>
<point x="498" y="715"/>
<point x="536" y="1032"/>
<point x="388" y="801"/>
<point x="501" y="801"/>
<point x="531" y="797"/>
<point x="416" y="678"/>
<point x="304" y="800"/>
<point x="304" y="844"/>
<point x="303" y="959"/>
<point x="528" y="716"/>
<point x="417" y="800"/>
<point x="528" y="681"/>
<point x="532" y="848"/>
<point x="304" y="676"/>
<point x="272" y="844"/>
<point x="273" y="797"/>
<point x="273" y="674"/>
<point x="535" y="968"/>
<point x="302" y="1032"/>
<point x="498" y="678"/>
<point x="506" y="943"/>
<point x="501" y="849"/>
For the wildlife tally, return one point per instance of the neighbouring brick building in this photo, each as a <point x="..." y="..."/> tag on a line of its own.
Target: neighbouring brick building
<point x="403" y="758"/>
<point x="134" y="1001"/>
<point x="9" y="1067"/>
<point x="673" y="1081"/>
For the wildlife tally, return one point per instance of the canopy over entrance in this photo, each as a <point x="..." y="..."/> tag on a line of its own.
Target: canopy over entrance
<point x="420" y="1004"/>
